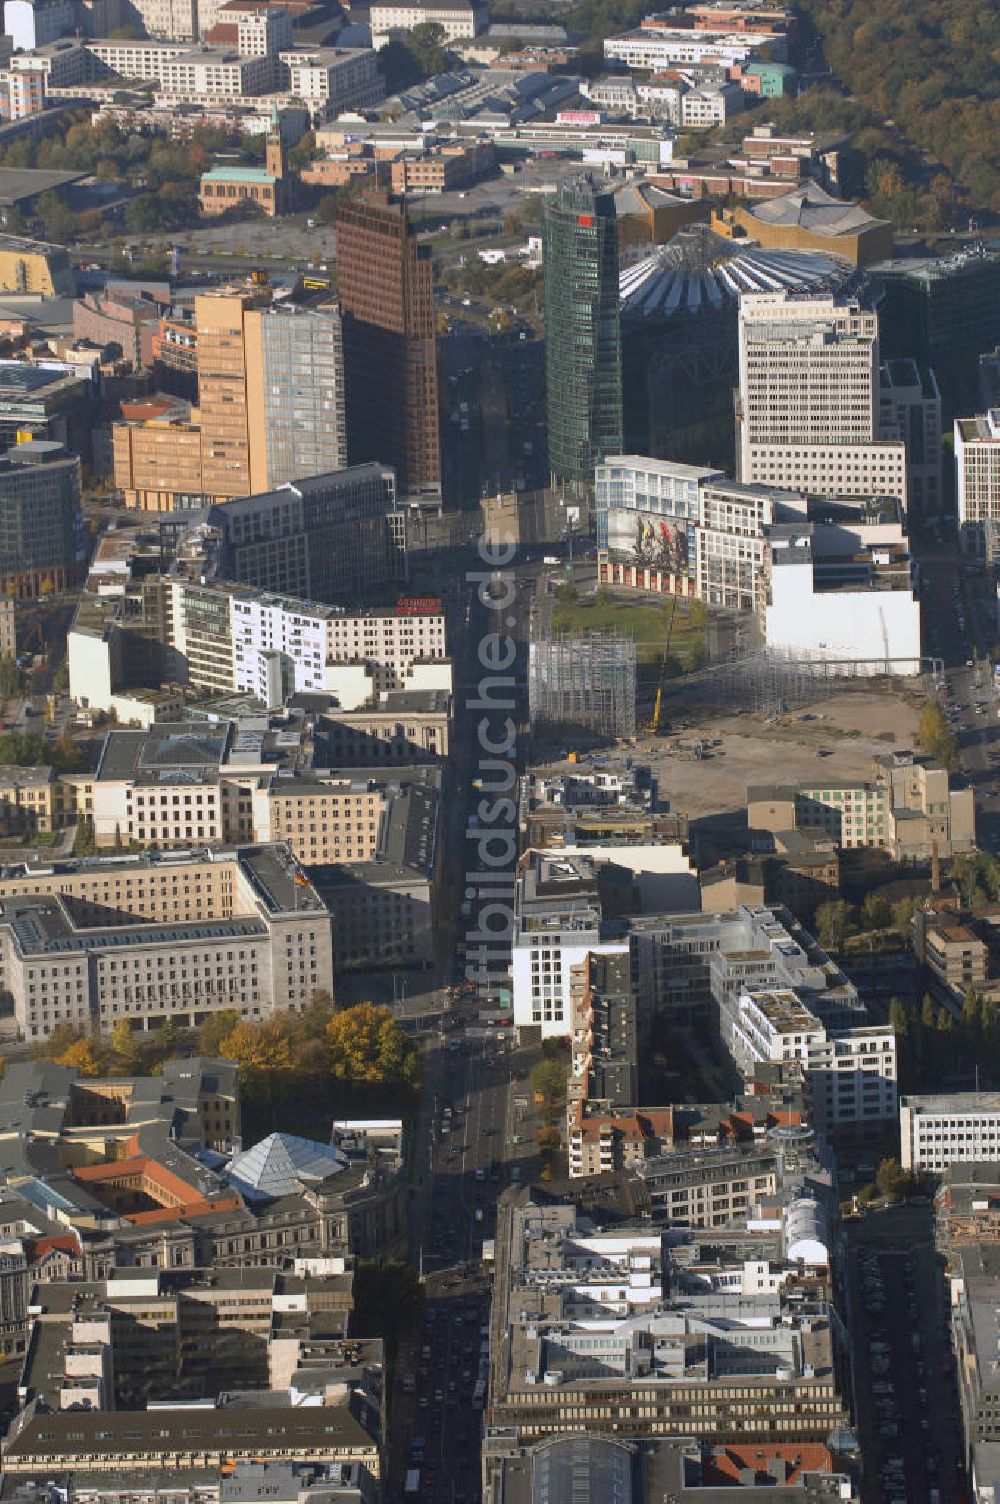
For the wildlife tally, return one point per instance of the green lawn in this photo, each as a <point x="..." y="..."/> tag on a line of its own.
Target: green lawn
<point x="647" y="623"/>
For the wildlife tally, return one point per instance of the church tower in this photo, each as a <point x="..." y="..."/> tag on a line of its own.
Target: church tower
<point x="275" y="155"/>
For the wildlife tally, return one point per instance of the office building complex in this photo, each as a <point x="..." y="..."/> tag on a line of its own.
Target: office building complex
<point x="831" y="582"/>
<point x="583" y="362"/>
<point x="776" y="998"/>
<point x="974" y="1294"/>
<point x="613" y="1330"/>
<point x="679" y="308"/>
<point x="808" y="407"/>
<point x="224" y="637"/>
<point x="270" y="408"/>
<point x="40" y="521"/>
<point x="943" y="312"/>
<point x="325" y="537"/>
<point x="907" y="808"/>
<point x="85" y="943"/>
<point x="458" y="19"/>
<point x="385" y="286"/>
<point x="839" y="597"/>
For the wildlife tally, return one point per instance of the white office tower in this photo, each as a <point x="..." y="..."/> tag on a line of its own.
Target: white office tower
<point x="808" y="405"/>
<point x="977" y="464"/>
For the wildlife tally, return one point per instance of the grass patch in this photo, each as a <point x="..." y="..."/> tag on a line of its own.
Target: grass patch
<point x="647" y="623"/>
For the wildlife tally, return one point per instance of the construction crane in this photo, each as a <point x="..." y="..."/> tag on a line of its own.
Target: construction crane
<point x="671" y="608"/>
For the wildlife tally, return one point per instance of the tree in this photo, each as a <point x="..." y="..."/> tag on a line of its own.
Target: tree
<point x="833" y="922"/>
<point x="549" y="1081"/>
<point x="262" y="1055"/>
<point x="326" y="209"/>
<point x="876" y="912"/>
<point x="891" y="1179"/>
<point x="123" y="1044"/>
<point x="970" y="1011"/>
<point x="426" y="44"/>
<point x="216" y="1028"/>
<point x="928" y="1017"/>
<point x="83" y="1055"/>
<point x="902" y="914"/>
<point x="934" y="735"/>
<point x="22" y="749"/>
<point x="57" y="218"/>
<point x="66" y="755"/>
<point x="11" y="679"/>
<point x="367" y="1045"/>
<point x="898" y="1018"/>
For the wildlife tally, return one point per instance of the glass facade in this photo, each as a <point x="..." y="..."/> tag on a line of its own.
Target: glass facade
<point x="583" y="369"/>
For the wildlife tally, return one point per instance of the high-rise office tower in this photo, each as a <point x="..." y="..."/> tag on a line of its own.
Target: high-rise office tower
<point x="808" y="408"/>
<point x="295" y="393"/>
<point x="386" y="291"/>
<point x="583" y="366"/>
<point x="222" y="388"/>
<point x="271" y="407"/>
<point x="40" y="529"/>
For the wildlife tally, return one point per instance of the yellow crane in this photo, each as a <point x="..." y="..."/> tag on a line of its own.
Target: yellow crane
<point x="670" y="608"/>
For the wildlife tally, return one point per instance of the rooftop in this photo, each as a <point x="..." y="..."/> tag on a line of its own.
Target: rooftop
<point x="19" y="184"/>
<point x="811" y="208"/>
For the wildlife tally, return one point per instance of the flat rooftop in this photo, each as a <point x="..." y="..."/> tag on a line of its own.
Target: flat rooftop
<point x="20" y="184"/>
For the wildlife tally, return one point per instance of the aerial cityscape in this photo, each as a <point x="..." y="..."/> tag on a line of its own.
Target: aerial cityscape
<point x="499" y="752"/>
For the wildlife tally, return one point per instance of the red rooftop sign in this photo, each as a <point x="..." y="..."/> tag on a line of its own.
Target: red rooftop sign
<point x="417" y="605"/>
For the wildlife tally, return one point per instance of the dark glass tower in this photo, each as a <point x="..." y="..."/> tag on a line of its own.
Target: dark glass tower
<point x="583" y="362"/>
<point x="386" y="289"/>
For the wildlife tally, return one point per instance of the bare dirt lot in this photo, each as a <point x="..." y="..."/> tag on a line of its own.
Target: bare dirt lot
<point x="849" y="725"/>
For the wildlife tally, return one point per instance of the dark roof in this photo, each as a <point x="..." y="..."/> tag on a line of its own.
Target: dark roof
<point x="20" y="183"/>
<point x="101" y="1433"/>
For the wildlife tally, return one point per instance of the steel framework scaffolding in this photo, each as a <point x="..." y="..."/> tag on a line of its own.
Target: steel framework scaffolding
<point x="771" y="682"/>
<point x="584" y="679"/>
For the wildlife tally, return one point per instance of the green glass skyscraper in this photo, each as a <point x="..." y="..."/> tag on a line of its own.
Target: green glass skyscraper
<point x="583" y="360"/>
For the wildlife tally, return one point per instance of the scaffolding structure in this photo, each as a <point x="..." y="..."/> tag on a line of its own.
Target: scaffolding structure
<point x="585" y="680"/>
<point x="774" y="681"/>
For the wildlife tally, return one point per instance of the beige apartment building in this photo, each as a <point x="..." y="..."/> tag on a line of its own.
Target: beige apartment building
<point x="222" y="391"/>
<point x="31" y="801"/>
<point x="178" y="937"/>
<point x="908" y="808"/>
<point x="157" y="462"/>
<point x="270" y="407"/>
<point x="325" y="822"/>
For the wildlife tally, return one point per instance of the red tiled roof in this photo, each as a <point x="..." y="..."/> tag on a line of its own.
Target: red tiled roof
<point x="723" y="1465"/>
<point x="67" y="1242"/>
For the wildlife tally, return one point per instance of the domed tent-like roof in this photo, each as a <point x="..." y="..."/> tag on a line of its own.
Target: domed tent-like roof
<point x="282" y="1164"/>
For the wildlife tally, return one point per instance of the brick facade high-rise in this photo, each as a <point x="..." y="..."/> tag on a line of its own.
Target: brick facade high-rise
<point x="385" y="285"/>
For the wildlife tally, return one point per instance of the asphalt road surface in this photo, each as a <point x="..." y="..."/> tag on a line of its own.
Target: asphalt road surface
<point x="903" y="1372"/>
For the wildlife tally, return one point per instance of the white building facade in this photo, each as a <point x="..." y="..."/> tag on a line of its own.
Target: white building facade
<point x="938" y="1131"/>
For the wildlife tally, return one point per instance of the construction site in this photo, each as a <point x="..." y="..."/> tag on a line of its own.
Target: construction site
<point x="583" y="681"/>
